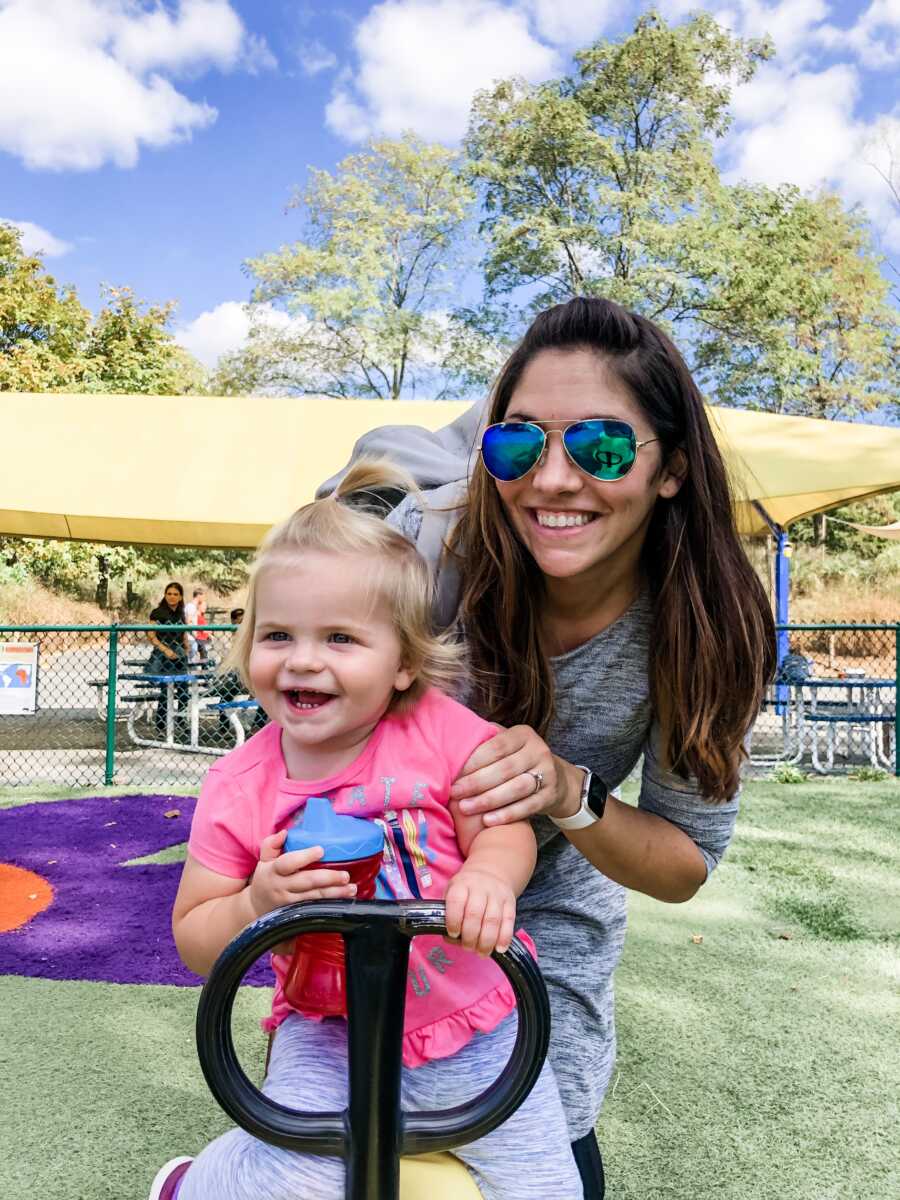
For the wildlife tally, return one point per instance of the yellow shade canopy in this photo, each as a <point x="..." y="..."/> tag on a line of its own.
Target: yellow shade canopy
<point x="218" y="471"/>
<point x="891" y="532"/>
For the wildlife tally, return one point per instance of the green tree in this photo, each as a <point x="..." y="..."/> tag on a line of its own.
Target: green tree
<point x="601" y="183"/>
<point x="43" y="328"/>
<point x="49" y="342"/>
<point x="799" y="320"/>
<point x="605" y="184"/>
<point x="130" y="349"/>
<point x="369" y="288"/>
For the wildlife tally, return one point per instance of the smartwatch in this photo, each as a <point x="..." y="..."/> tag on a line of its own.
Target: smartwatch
<point x="593" y="802"/>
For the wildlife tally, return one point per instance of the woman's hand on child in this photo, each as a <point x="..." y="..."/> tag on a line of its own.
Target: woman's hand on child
<point x="515" y="776"/>
<point x="480" y="910"/>
<point x="286" y="878"/>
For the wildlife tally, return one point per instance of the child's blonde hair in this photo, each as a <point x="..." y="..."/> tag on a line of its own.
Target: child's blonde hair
<point x="344" y="523"/>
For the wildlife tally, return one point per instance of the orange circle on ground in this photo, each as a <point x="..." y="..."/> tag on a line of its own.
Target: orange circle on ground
<point x="22" y="896"/>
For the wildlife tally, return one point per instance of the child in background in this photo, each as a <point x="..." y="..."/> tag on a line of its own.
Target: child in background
<point x="337" y="646"/>
<point x="195" y="614"/>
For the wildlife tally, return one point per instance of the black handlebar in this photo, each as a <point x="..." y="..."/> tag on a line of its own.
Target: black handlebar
<point x="373" y="1131"/>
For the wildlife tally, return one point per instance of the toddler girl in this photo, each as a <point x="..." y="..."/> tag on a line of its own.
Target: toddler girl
<point x="336" y="645"/>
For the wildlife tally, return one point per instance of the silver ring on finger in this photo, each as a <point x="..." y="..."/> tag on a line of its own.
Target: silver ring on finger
<point x="538" y="777"/>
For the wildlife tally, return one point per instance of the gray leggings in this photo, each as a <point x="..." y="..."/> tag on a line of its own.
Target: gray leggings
<point x="528" y="1158"/>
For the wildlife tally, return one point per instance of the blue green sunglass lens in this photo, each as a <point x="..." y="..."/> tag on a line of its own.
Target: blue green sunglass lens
<point x="604" y="449"/>
<point x="510" y="450"/>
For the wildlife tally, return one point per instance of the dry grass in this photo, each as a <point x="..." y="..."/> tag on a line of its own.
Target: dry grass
<point x="33" y="604"/>
<point x="850" y="605"/>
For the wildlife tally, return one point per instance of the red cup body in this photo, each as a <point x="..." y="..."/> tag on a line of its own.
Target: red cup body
<point x="316" y="981"/>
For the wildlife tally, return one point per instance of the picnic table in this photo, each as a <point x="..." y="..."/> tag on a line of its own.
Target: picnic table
<point x="152" y="685"/>
<point x="855" y="700"/>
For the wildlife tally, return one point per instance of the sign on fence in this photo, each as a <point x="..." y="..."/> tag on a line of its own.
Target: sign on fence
<point x="18" y="677"/>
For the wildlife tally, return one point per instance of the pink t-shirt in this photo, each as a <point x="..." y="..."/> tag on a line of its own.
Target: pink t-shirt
<point x="401" y="780"/>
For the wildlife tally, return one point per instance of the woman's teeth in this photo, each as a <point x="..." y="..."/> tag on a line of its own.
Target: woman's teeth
<point x="562" y="520"/>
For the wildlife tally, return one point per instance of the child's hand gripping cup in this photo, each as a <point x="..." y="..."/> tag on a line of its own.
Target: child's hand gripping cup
<point x="316" y="982"/>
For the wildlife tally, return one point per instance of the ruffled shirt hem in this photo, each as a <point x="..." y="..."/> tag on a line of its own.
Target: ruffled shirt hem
<point x="442" y="1038"/>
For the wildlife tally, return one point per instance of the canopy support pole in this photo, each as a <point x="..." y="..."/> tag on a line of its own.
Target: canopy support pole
<point x="782" y="594"/>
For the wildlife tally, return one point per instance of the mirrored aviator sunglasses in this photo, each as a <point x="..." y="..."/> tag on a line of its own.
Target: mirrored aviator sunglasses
<point x="603" y="449"/>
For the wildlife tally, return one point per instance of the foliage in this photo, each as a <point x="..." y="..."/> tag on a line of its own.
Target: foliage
<point x="868" y="774"/>
<point x="599" y="184"/>
<point x="876" y="510"/>
<point x="367" y="291"/>
<point x="43" y="329"/>
<point x="787" y="773"/>
<point x="605" y="184"/>
<point x="74" y="568"/>
<point x="801" y="321"/>
<point x="132" y="351"/>
<point x="50" y="343"/>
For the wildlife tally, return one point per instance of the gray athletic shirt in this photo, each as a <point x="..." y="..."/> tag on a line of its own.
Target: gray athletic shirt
<point x="574" y="913"/>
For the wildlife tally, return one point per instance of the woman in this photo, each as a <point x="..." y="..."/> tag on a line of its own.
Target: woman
<point x="171" y="651"/>
<point x="609" y="612"/>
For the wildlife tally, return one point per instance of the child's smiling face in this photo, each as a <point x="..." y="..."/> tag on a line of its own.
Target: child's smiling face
<point x="325" y="659"/>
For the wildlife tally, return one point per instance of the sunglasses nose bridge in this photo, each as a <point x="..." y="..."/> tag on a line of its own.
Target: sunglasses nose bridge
<point x="551" y="466"/>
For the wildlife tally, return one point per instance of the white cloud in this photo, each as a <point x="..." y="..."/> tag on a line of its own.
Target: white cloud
<point x="420" y="61"/>
<point x="875" y="38"/>
<point x="315" y="57"/>
<point x="571" y="23"/>
<point x="791" y="24"/>
<point x="802" y="128"/>
<point x="82" y="81"/>
<point x="37" y="240"/>
<point x="199" y="33"/>
<point x="224" y="328"/>
<point x="795" y="26"/>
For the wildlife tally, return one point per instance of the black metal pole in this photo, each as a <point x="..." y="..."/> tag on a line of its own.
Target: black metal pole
<point x="377" y="964"/>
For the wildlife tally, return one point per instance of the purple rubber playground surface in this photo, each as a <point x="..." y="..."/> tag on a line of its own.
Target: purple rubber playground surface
<point x="108" y="922"/>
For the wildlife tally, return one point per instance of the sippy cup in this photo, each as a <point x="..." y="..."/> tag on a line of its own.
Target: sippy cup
<point x="316" y="982"/>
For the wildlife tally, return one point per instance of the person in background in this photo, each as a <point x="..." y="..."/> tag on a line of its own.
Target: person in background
<point x="195" y="613"/>
<point x="230" y="687"/>
<point x="171" y="651"/>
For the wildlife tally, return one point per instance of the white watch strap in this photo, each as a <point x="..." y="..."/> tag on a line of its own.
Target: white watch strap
<point x="581" y="820"/>
<point x="584" y="817"/>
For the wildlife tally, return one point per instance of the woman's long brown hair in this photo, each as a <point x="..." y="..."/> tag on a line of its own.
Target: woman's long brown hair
<point x="713" y="646"/>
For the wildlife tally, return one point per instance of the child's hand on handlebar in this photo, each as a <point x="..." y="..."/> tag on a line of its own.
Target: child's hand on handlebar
<point x="286" y="878"/>
<point x="480" y="910"/>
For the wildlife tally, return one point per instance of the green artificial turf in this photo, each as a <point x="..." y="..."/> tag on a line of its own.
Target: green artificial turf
<point x="102" y="1086"/>
<point x="764" y="1060"/>
<point x="761" y="1061"/>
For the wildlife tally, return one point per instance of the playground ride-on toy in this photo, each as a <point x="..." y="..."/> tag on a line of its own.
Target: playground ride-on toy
<point x="372" y="1132"/>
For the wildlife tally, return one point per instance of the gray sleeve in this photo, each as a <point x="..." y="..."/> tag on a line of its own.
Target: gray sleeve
<point x="710" y="826"/>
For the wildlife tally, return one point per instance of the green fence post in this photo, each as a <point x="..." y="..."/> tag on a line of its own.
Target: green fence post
<point x="897" y="701"/>
<point x="111" y="669"/>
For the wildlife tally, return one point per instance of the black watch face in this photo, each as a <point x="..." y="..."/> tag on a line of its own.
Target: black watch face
<point x="596" y="796"/>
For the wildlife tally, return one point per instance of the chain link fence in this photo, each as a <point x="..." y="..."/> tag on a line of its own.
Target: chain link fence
<point x="88" y="705"/>
<point x="82" y="706"/>
<point x="833" y="706"/>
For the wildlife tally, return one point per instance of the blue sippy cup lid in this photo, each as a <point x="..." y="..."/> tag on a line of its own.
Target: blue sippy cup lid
<point x="344" y="838"/>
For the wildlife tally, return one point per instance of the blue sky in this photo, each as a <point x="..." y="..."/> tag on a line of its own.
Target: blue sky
<point x="157" y="144"/>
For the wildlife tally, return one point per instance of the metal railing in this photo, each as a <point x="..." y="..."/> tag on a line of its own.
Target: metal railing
<point x="84" y="705"/>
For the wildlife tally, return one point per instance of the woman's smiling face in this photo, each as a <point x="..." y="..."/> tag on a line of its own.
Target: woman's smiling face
<point x="559" y="387"/>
